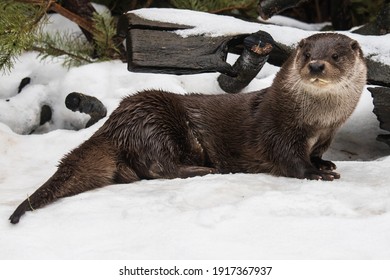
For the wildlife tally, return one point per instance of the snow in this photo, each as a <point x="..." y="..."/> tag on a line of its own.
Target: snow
<point x="286" y="21"/>
<point x="235" y="216"/>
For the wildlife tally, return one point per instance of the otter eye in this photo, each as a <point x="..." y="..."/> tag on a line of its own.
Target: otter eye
<point x="335" y="56"/>
<point x="307" y="55"/>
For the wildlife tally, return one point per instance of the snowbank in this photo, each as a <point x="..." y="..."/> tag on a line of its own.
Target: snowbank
<point x="237" y="216"/>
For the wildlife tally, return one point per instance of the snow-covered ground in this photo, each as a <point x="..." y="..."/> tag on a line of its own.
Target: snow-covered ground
<point x="237" y="216"/>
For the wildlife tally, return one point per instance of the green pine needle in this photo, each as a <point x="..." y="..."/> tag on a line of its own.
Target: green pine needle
<point x="18" y="27"/>
<point x="21" y="30"/>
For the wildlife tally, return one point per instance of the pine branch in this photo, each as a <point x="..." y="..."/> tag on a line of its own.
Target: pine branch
<point x="6" y="60"/>
<point x="60" y="52"/>
<point x="106" y="30"/>
<point x="18" y="26"/>
<point x="20" y="22"/>
<point x="74" y="49"/>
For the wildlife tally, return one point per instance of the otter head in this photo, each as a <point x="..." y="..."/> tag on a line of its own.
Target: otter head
<point x="327" y="60"/>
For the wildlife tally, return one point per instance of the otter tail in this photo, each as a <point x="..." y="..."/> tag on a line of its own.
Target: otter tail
<point x="92" y="165"/>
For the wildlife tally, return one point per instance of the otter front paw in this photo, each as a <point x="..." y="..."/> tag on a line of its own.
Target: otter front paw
<point x="321" y="175"/>
<point x="321" y="164"/>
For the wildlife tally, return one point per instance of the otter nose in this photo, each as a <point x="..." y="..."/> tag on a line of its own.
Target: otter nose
<point x="316" y="67"/>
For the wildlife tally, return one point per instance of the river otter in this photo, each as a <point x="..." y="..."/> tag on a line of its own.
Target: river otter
<point x="282" y="130"/>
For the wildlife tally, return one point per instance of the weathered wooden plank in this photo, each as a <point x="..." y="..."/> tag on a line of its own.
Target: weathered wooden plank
<point x="158" y="51"/>
<point x="174" y="54"/>
<point x="153" y="47"/>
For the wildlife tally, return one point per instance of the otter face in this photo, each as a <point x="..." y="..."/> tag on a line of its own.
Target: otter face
<point x="324" y="59"/>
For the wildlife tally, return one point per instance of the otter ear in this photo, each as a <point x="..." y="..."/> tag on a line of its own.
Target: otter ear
<point x="302" y="43"/>
<point x="354" y="45"/>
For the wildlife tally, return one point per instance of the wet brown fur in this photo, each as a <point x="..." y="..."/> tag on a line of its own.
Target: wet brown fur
<point x="282" y="130"/>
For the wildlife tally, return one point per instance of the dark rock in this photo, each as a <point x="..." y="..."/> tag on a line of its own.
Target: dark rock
<point x="46" y="114"/>
<point x="23" y="83"/>
<point x="90" y="105"/>
<point x="378" y="73"/>
<point x="381" y="99"/>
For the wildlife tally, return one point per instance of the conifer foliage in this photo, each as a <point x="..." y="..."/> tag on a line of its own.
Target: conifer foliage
<point x="21" y="23"/>
<point x="19" y="28"/>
